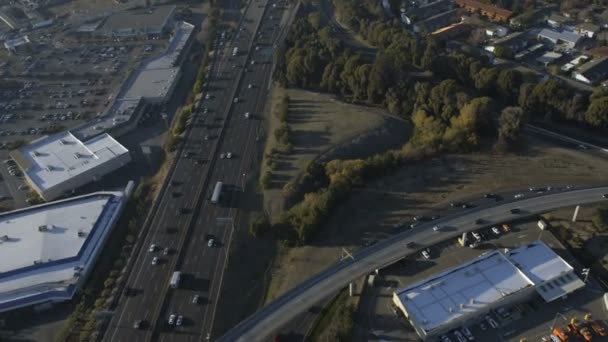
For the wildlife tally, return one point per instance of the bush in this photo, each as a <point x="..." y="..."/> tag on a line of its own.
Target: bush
<point x="265" y="180"/>
<point x="600" y="219"/>
<point x="259" y="225"/>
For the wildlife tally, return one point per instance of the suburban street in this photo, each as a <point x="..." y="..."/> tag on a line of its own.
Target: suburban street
<point x="186" y="219"/>
<point x="269" y="319"/>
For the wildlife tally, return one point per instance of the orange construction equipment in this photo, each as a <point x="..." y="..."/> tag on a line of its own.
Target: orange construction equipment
<point x="586" y="333"/>
<point x="598" y="327"/>
<point x="559" y="332"/>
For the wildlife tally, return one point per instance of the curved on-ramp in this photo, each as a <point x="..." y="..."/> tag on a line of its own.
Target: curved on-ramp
<point x="270" y="318"/>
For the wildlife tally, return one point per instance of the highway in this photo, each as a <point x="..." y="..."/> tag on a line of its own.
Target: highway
<point x="269" y="319"/>
<point x="185" y="218"/>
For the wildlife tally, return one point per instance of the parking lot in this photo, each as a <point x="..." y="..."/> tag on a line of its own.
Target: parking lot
<point x="60" y="82"/>
<point x="531" y="320"/>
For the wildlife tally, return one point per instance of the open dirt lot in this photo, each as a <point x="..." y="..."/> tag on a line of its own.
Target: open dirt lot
<point x="372" y="212"/>
<point x="323" y="127"/>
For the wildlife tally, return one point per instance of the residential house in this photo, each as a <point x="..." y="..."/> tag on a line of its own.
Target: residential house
<point x="570" y="39"/>
<point x="557" y="21"/>
<point x="599" y="52"/>
<point x="593" y="72"/>
<point x="515" y="41"/>
<point x="437" y="21"/>
<point x="587" y="29"/>
<point x="493" y="12"/>
<point x="549" y="58"/>
<point x="415" y="14"/>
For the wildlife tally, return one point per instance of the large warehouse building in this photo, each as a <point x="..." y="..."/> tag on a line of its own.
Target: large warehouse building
<point x="57" y="164"/>
<point x="466" y="293"/>
<point x="48" y="250"/>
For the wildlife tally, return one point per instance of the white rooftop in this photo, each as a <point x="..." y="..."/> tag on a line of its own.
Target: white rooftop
<point x="553" y="276"/>
<point x="43" y="247"/>
<point x="55" y="159"/>
<point x="462" y="290"/>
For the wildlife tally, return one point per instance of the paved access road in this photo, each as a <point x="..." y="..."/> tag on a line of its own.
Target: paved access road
<point x="271" y="317"/>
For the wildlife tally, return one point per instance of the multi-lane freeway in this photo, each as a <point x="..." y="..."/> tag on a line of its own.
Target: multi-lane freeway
<point x="270" y="318"/>
<point x="185" y="219"/>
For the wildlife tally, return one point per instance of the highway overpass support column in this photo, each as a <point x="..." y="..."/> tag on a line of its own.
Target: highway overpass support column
<point x="575" y="213"/>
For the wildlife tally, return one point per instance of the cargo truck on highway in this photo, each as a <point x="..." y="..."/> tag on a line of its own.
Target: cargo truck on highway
<point x="175" y="278"/>
<point x="215" y="197"/>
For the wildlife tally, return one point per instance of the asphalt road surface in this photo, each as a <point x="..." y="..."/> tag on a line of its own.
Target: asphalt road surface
<point x="186" y="219"/>
<point x="270" y="318"/>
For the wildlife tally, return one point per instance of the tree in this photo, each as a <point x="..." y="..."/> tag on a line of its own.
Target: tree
<point x="597" y="113"/>
<point x="430" y="53"/>
<point x="503" y="51"/>
<point x="485" y="80"/>
<point x="314" y="19"/>
<point x="510" y="124"/>
<point x="508" y="83"/>
<point x="259" y="225"/>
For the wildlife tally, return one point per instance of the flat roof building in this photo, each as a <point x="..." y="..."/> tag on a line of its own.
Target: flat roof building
<point x="467" y="292"/>
<point x="493" y="12"/>
<point x="138" y="22"/>
<point x="57" y="164"/>
<point x="152" y="82"/>
<point x="48" y="250"/>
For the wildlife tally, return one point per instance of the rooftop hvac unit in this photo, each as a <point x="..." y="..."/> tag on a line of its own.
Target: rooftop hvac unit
<point x="472" y="301"/>
<point x="461" y="306"/>
<point x="81" y="234"/>
<point x="36" y="153"/>
<point x="43" y="228"/>
<point x="36" y="262"/>
<point x="4" y="238"/>
<point x="451" y="309"/>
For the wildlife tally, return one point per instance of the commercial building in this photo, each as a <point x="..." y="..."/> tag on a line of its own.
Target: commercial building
<point x="468" y="292"/>
<point x="412" y="15"/>
<point x="593" y="72"/>
<point x="152" y="82"/>
<point x="48" y="250"/>
<point x="57" y="164"/>
<point x="138" y="22"/>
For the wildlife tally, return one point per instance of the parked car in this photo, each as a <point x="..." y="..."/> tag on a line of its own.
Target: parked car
<point x="171" y="320"/>
<point x="152" y="248"/>
<point x="195" y="299"/>
<point x="459" y="336"/>
<point x="426" y="253"/>
<point x="495" y="231"/>
<point x="180" y="318"/>
<point x="467" y="333"/>
<point x="491" y="321"/>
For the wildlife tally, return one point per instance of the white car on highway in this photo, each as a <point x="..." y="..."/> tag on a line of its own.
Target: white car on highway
<point x="155" y="261"/>
<point x="171" y="320"/>
<point x="180" y="318"/>
<point x="152" y="248"/>
<point x="228" y="155"/>
<point x="495" y="231"/>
